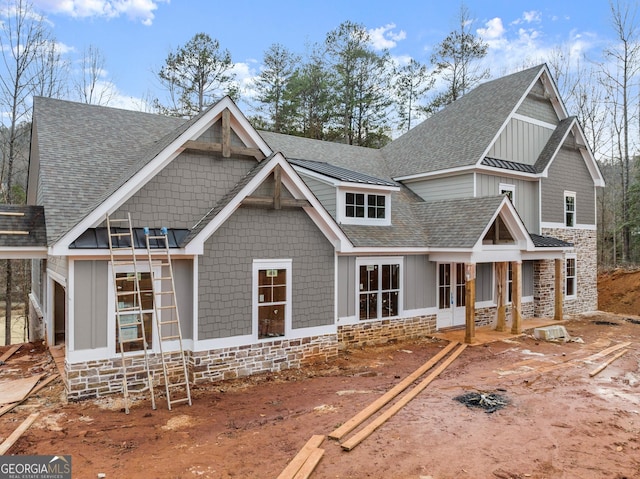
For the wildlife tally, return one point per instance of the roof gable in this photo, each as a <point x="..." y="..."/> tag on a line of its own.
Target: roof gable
<point x="144" y="162"/>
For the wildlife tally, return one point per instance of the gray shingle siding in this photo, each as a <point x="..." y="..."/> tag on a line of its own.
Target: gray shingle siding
<point x="225" y="270"/>
<point x="525" y="200"/>
<point x="568" y="173"/>
<point x="535" y="108"/>
<point x="185" y="190"/>
<point x="325" y="193"/>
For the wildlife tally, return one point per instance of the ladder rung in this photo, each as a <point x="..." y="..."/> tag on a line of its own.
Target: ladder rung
<point x="125" y="341"/>
<point x="174" y="401"/>
<point x="119" y="235"/>
<point x="127" y="293"/>
<point x="177" y="385"/>
<point x="129" y="309"/>
<point x="171" y="321"/>
<point x="120" y="262"/>
<point x="157" y="237"/>
<point x="118" y="220"/>
<point x="160" y="278"/>
<point x="171" y="306"/>
<point x="169" y="338"/>
<point x="164" y="292"/>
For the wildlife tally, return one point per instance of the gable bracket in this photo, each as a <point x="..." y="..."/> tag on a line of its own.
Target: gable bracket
<point x="276" y="201"/>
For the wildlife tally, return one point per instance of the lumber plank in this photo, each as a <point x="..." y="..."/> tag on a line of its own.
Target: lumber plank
<point x="607" y="362"/>
<point x="8" y="407"/>
<point x="379" y="403"/>
<point x="310" y="464"/>
<point x="17" y="389"/>
<point x="15" y="435"/>
<point x="403" y="401"/>
<point x="10" y="352"/>
<point x="299" y="460"/>
<point x="606" y="352"/>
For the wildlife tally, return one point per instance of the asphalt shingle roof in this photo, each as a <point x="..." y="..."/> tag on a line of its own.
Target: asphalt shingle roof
<point x="459" y="134"/>
<point x="86" y="152"/>
<point x="22" y="226"/>
<point x="546" y="155"/>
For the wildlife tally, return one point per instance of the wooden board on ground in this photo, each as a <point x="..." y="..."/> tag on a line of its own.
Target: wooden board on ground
<point x="404" y="400"/>
<point x="10" y="352"/>
<point x="17" y="390"/>
<point x="15" y="435"/>
<point x="379" y="403"/>
<point x="301" y="458"/>
<point x="607" y="362"/>
<point x="310" y="464"/>
<point x="8" y="407"/>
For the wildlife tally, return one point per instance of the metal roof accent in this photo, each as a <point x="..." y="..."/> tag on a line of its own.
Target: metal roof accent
<point x="508" y="165"/>
<point x="97" y="238"/>
<point x="540" y="241"/>
<point x="339" y="173"/>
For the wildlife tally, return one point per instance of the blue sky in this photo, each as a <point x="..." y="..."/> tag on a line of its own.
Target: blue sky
<point x="135" y="36"/>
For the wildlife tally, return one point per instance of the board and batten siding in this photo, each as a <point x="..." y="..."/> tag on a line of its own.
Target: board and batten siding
<point x="90" y="307"/>
<point x="459" y="186"/>
<point x="183" y="281"/>
<point x="225" y="270"/>
<point x="325" y="193"/>
<point x="346" y="286"/>
<point x="568" y="172"/>
<point x="419" y="282"/>
<point x="525" y="199"/>
<point x="521" y="142"/>
<point x="538" y="107"/>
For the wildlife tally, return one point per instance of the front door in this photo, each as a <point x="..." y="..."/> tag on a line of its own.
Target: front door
<point x="451" y="295"/>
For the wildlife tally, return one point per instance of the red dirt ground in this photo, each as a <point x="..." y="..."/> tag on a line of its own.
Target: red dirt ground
<point x="559" y="423"/>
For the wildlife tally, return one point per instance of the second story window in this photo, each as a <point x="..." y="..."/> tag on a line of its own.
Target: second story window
<point x="364" y="208"/>
<point x="569" y="209"/>
<point x="362" y="205"/>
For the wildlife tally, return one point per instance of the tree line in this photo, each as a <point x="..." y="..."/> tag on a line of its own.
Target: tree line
<point x="341" y="89"/>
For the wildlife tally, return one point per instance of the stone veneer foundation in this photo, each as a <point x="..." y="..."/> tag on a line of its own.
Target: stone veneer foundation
<point x="383" y="331"/>
<point x="94" y="379"/>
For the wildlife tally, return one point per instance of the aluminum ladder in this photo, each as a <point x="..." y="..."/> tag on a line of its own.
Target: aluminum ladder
<point x="128" y="298"/>
<point x="167" y="318"/>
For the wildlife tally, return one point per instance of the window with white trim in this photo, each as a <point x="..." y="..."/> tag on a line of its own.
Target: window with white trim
<point x="570" y="277"/>
<point x="508" y="190"/>
<point x="569" y="209"/>
<point x="272" y="298"/>
<point x="364" y="207"/>
<point x="379" y="289"/>
<point x="128" y="298"/>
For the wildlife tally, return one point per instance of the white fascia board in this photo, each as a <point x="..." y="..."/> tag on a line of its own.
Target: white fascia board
<point x="296" y="186"/>
<point x="316" y="176"/>
<point x="515" y="225"/>
<point x="546" y="253"/>
<point x="378" y="251"/>
<point x="436" y="174"/>
<point x="534" y="121"/>
<point x="151" y="169"/>
<point x="550" y="225"/>
<point x="548" y="81"/>
<point x="19" y="252"/>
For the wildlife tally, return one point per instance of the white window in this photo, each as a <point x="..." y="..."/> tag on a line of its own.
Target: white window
<point x="379" y="286"/>
<point x="570" y="277"/>
<point x="272" y="298"/>
<point x="508" y="190"/>
<point x="365" y="208"/>
<point x="128" y="298"/>
<point x="569" y="209"/>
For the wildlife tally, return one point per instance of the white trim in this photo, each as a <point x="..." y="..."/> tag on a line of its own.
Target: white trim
<point x="57" y="277"/>
<point x="84" y="355"/>
<point x="534" y="121"/>
<point x="196" y="299"/>
<point x="435" y="174"/>
<point x="70" y="320"/>
<point x="341" y="205"/>
<point x="328" y="180"/>
<point x="379" y="261"/>
<point x="504" y="187"/>
<point x="518" y="175"/>
<point x="263" y="264"/>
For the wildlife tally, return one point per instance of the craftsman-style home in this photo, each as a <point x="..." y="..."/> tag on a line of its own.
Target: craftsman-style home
<point x="286" y="249"/>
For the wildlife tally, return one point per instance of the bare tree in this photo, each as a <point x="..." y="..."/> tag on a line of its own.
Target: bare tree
<point x="618" y="76"/>
<point x="91" y="85"/>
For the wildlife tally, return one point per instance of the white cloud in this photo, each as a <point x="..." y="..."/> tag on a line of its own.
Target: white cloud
<point x="384" y="38"/>
<point x="531" y="16"/>
<point x="494" y="30"/>
<point x="138" y="10"/>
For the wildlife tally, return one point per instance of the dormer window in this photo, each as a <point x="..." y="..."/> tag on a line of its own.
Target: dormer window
<point x="362" y="205"/>
<point x="364" y="208"/>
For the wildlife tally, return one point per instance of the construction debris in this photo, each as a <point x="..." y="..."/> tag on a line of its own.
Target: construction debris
<point x="303" y="464"/>
<point x="15" y="435"/>
<point x="490" y="402"/>
<point x="606" y="363"/>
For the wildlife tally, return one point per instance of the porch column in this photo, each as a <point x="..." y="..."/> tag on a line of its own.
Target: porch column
<point x="516" y="297"/>
<point x="470" y="303"/>
<point x="501" y="270"/>
<point x="558" y="292"/>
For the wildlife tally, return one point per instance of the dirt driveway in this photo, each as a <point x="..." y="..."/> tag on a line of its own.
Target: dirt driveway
<point x="558" y="423"/>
